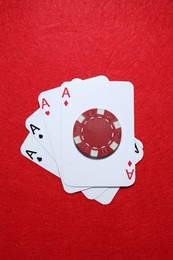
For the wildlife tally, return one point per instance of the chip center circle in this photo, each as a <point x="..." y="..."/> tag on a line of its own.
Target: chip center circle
<point x="97" y="132"/>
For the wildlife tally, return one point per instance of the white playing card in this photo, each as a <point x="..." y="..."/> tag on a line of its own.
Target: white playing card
<point x="115" y="170"/>
<point x="32" y="150"/>
<point x="50" y="106"/>
<point x="107" y="196"/>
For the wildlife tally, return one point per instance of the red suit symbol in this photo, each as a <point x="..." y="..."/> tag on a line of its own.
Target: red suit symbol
<point x="129" y="173"/>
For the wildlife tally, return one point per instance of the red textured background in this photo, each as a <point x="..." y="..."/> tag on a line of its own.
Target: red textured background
<point x="42" y="44"/>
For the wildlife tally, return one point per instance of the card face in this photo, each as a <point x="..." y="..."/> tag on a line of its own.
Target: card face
<point x="32" y="150"/>
<point x="107" y="196"/>
<point x="49" y="107"/>
<point x="49" y="102"/>
<point x="115" y="170"/>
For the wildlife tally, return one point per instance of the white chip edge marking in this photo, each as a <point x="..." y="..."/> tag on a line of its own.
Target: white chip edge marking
<point x="117" y="124"/>
<point x="77" y="139"/>
<point x="113" y="145"/>
<point x="100" y="111"/>
<point x="94" y="153"/>
<point x="81" y="119"/>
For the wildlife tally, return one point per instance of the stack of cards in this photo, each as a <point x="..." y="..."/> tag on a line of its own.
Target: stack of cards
<point x="83" y="132"/>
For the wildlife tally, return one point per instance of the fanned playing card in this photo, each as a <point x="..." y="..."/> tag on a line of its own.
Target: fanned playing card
<point x="111" y="107"/>
<point x="49" y="102"/>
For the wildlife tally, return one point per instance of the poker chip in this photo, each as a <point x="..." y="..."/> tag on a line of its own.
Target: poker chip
<point x="97" y="133"/>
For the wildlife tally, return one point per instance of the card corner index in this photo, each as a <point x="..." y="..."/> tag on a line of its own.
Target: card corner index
<point x="41" y="96"/>
<point x="131" y="178"/>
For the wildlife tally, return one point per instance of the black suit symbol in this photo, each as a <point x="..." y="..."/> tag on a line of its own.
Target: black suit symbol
<point x="39" y="159"/>
<point x="40" y="136"/>
<point x="136" y="149"/>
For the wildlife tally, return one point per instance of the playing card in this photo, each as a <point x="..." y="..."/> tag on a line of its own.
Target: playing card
<point x="107" y="196"/>
<point x="50" y="106"/>
<point x="78" y="97"/>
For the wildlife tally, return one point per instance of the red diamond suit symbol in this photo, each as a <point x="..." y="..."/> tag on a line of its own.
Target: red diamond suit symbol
<point x="66" y="103"/>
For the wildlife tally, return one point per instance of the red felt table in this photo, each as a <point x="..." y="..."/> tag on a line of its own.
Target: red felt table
<point x="44" y="43"/>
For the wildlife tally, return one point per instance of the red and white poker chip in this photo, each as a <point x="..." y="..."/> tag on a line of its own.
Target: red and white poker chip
<point x="97" y="133"/>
